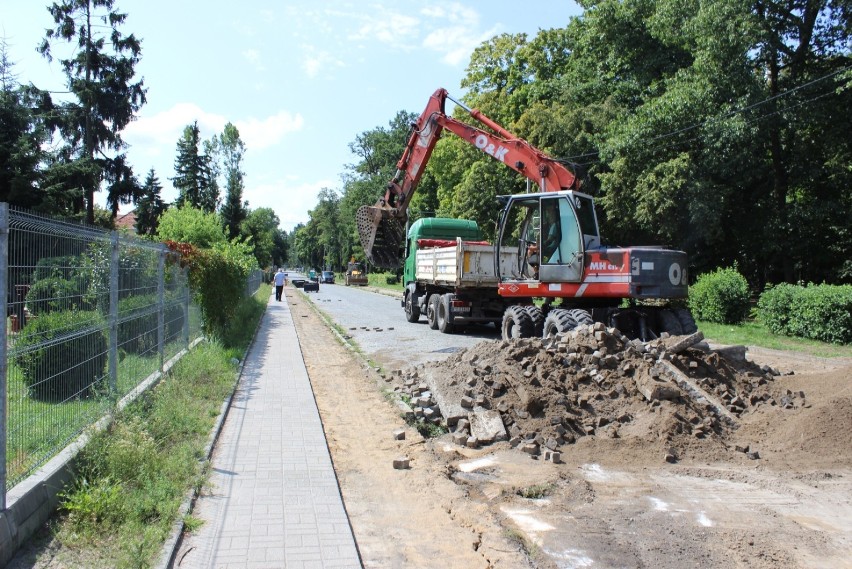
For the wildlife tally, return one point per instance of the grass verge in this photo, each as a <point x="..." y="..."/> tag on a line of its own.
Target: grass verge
<point x="131" y="478"/>
<point x="755" y="334"/>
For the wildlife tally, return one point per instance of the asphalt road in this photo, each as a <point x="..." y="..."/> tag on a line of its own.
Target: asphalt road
<point x="376" y="323"/>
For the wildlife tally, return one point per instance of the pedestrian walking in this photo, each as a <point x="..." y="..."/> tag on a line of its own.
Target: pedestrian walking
<point x="280" y="280"/>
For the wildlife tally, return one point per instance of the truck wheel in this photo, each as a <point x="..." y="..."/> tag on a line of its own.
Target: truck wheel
<point x="516" y="323"/>
<point x="581" y="316"/>
<point x="537" y="317"/>
<point x="687" y="322"/>
<point x="432" y="310"/>
<point x="412" y="307"/>
<point x="445" y="315"/>
<point x="558" y="321"/>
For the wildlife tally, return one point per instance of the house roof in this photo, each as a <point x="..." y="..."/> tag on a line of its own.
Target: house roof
<point x="126" y="221"/>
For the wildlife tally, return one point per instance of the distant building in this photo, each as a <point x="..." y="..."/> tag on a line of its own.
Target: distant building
<point x="126" y="221"/>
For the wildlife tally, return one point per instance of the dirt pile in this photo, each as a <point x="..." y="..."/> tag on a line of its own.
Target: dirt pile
<point x="593" y="381"/>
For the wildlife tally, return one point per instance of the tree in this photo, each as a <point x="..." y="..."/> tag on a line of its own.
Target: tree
<point x="232" y="150"/>
<point x="259" y="230"/>
<point x="101" y="81"/>
<point x="193" y="175"/>
<point x="187" y="224"/>
<point x="21" y="139"/>
<point x="150" y="207"/>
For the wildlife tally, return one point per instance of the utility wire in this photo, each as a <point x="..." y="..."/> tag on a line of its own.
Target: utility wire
<point x="570" y="160"/>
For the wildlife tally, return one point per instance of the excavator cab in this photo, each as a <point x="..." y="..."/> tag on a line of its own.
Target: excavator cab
<point x="551" y="232"/>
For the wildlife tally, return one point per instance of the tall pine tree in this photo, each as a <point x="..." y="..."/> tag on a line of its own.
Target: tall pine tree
<point x="193" y="179"/>
<point x="100" y="78"/>
<point x="150" y="206"/>
<point x="232" y="150"/>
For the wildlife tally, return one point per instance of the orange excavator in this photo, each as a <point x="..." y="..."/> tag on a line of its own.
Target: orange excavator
<point x="554" y="236"/>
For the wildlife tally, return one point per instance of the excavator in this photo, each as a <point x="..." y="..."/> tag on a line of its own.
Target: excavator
<point x="558" y="257"/>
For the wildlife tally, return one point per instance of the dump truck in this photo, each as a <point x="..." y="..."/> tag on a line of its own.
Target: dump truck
<point x="550" y="267"/>
<point x="450" y="275"/>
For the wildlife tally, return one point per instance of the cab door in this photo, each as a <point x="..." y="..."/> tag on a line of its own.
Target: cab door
<point x="561" y="242"/>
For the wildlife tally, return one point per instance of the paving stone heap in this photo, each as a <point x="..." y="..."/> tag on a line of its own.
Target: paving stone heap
<point x="591" y="381"/>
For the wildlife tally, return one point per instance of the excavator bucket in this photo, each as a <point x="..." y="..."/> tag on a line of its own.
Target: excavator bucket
<point x="382" y="236"/>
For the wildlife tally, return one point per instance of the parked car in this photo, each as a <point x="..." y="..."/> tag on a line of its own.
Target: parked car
<point x="327" y="277"/>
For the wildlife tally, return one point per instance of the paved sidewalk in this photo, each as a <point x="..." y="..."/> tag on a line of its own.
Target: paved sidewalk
<point x="273" y="501"/>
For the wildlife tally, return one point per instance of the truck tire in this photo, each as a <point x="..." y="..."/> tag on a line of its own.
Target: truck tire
<point x="687" y="322"/>
<point x="432" y="310"/>
<point x="445" y="314"/>
<point x="558" y="321"/>
<point x="516" y="323"/>
<point x="537" y="317"/>
<point x="412" y="306"/>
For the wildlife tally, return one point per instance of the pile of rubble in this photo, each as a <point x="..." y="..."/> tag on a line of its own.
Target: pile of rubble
<point x="592" y="381"/>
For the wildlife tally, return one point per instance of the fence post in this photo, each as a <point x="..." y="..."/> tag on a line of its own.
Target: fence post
<point x="161" y="304"/>
<point x="186" y="307"/>
<point x="4" y="286"/>
<point x="113" y="314"/>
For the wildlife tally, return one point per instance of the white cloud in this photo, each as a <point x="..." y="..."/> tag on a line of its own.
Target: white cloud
<point x="253" y="57"/>
<point x="316" y="62"/>
<point x="454" y="32"/>
<point x="258" y="134"/>
<point x="291" y="200"/>
<point x="158" y="134"/>
<point x="387" y="27"/>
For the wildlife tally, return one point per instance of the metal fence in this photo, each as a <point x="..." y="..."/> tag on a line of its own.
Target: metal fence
<point x="90" y="314"/>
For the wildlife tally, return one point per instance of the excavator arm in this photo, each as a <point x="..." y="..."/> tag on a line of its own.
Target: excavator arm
<point x="381" y="227"/>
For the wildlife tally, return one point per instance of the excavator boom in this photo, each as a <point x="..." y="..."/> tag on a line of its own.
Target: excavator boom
<point x="381" y="227"/>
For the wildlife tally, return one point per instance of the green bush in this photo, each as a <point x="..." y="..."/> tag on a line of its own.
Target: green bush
<point x="138" y="323"/>
<point x="218" y="278"/>
<point x="54" y="293"/>
<point x="818" y="312"/>
<point x="774" y="307"/>
<point x="56" y="267"/>
<point x="721" y="296"/>
<point x="62" y="355"/>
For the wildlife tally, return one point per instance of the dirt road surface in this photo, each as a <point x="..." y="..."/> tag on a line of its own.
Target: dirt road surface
<point x="613" y="502"/>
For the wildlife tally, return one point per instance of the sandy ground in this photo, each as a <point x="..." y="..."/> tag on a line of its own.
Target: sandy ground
<point x="613" y="502"/>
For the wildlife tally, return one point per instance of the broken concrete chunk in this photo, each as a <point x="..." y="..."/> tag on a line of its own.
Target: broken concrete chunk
<point x="399" y="435"/>
<point x="487" y="426"/>
<point x="653" y="389"/>
<point x="401" y="463"/>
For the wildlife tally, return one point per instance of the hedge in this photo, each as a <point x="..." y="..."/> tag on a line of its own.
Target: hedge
<point x="817" y="312"/>
<point x="721" y="297"/>
<point x="62" y="355"/>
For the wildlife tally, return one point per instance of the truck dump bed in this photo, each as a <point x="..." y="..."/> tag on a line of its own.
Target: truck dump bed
<point x="463" y="265"/>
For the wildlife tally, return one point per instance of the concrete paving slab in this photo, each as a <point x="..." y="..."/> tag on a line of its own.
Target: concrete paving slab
<point x="273" y="498"/>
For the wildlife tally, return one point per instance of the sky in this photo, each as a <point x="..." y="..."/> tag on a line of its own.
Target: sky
<point x="300" y="79"/>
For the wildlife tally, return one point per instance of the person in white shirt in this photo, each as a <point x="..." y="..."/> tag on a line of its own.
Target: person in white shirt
<point x="280" y="280"/>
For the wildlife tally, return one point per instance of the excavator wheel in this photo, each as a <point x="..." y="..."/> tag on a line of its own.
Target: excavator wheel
<point x="432" y="310"/>
<point x="516" y="323"/>
<point x="558" y="322"/>
<point x="537" y="317"/>
<point x="581" y="316"/>
<point x="687" y="322"/>
<point x="669" y="322"/>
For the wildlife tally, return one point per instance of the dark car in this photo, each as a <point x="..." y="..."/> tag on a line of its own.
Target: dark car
<point x="327" y="277"/>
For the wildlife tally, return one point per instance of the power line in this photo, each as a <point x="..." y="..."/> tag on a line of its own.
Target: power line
<point x="571" y="159"/>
